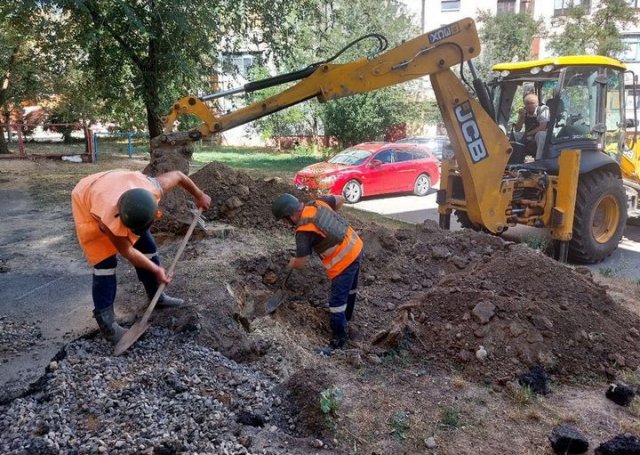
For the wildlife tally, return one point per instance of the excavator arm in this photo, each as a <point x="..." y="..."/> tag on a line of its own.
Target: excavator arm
<point x="426" y="54"/>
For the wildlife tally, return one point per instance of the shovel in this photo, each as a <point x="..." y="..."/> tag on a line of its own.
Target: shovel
<point x="276" y="299"/>
<point x="137" y="329"/>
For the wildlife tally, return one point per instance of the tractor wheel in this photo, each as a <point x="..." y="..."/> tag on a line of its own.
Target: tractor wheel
<point x="600" y="217"/>
<point x="465" y="222"/>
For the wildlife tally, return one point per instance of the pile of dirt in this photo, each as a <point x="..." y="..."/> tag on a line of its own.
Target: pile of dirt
<point x="237" y="198"/>
<point x="517" y="311"/>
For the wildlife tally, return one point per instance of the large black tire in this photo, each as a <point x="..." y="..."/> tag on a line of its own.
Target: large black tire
<point x="600" y="217"/>
<point x="465" y="222"/>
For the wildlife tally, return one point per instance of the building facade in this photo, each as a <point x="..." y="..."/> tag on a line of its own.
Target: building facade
<point x="435" y="13"/>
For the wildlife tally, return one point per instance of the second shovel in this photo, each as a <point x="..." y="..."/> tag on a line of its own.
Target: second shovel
<point x="278" y="297"/>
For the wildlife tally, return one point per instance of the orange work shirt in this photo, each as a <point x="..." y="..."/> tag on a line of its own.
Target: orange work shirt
<point x="95" y="198"/>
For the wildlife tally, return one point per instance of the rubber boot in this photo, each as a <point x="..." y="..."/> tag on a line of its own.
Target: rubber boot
<point x="167" y="301"/>
<point x="335" y="344"/>
<point x="109" y="327"/>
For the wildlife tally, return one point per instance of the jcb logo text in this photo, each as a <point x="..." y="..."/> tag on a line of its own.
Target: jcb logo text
<point x="442" y="33"/>
<point x="470" y="132"/>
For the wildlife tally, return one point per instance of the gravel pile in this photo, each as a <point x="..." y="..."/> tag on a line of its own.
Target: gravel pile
<point x="18" y="336"/>
<point x="165" y="395"/>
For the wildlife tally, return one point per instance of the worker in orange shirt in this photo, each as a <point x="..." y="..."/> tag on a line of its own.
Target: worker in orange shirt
<point x="319" y="228"/>
<point x="113" y="211"/>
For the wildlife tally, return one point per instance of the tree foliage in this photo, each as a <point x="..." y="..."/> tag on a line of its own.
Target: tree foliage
<point x="21" y="77"/>
<point x="598" y="33"/>
<point x="507" y="37"/>
<point x="367" y="116"/>
<point x="331" y="27"/>
<point x="142" y="55"/>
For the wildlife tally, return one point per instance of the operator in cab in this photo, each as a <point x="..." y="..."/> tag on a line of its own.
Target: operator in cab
<point x="319" y="228"/>
<point x="113" y="211"/>
<point x="534" y="118"/>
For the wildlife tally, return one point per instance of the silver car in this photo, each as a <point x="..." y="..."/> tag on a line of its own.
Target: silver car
<point x="438" y="145"/>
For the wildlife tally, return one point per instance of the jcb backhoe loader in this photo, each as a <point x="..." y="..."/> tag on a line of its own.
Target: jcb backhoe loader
<point x="577" y="193"/>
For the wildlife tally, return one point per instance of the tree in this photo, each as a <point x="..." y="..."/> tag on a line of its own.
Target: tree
<point x="326" y="32"/>
<point x="367" y="116"/>
<point x="19" y="68"/>
<point x="288" y="122"/>
<point x="506" y="37"/>
<point x="598" y="33"/>
<point x="144" y="54"/>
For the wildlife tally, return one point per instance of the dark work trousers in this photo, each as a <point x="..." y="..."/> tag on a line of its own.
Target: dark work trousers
<point x="344" y="289"/>
<point x="104" y="274"/>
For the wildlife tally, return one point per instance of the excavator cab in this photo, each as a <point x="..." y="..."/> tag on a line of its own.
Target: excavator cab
<point x="587" y="99"/>
<point x="584" y="97"/>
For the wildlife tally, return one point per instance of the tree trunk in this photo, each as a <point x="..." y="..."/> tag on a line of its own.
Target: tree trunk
<point x="151" y="76"/>
<point x="4" y="96"/>
<point x="4" y="148"/>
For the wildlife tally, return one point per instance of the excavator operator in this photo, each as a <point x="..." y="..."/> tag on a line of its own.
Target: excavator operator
<point x="534" y="117"/>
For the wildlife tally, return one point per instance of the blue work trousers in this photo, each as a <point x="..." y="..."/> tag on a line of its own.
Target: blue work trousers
<point x="344" y="289"/>
<point x="104" y="274"/>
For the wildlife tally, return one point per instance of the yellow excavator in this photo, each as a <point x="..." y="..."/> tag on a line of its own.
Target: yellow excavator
<point x="575" y="190"/>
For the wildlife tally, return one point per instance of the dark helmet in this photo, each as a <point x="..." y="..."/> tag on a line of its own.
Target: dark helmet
<point x="137" y="209"/>
<point x="285" y="205"/>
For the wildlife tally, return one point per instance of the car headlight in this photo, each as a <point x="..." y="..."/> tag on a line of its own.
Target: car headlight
<point x="327" y="181"/>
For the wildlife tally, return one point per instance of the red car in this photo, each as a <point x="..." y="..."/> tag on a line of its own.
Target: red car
<point x="373" y="168"/>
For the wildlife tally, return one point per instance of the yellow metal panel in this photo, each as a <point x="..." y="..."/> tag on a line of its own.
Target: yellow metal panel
<point x="570" y="60"/>
<point x="481" y="150"/>
<point x="569" y="163"/>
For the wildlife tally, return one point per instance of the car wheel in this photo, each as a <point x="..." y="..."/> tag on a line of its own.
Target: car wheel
<point x="422" y="185"/>
<point x="352" y="191"/>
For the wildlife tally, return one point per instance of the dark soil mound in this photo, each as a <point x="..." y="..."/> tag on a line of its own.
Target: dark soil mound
<point x="524" y="310"/>
<point x="448" y="296"/>
<point x="302" y="393"/>
<point x="237" y="198"/>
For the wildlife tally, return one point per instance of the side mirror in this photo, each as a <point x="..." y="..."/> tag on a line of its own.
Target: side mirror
<point x="376" y="163"/>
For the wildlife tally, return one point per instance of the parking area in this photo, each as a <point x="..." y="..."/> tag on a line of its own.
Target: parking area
<point x="623" y="263"/>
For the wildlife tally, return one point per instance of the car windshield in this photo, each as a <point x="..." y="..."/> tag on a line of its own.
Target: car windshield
<point x="351" y="157"/>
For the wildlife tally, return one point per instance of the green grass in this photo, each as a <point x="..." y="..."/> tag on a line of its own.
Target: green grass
<point x="264" y="161"/>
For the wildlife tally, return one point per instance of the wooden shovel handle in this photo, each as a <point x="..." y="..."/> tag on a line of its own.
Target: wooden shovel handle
<point x="160" y="290"/>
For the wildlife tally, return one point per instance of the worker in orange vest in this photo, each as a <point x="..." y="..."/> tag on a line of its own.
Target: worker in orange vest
<point x="319" y="228"/>
<point x="113" y="211"/>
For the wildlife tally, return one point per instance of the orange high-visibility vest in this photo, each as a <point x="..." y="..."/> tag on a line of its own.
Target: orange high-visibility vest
<point x="337" y="257"/>
<point x="95" y="198"/>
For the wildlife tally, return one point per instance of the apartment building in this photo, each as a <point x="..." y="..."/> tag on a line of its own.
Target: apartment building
<point x="434" y="13"/>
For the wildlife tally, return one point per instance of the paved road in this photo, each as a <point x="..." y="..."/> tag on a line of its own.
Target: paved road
<point x="624" y="262"/>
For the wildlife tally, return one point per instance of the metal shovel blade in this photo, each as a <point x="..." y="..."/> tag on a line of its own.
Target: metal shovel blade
<point x="131" y="336"/>
<point x="275" y="301"/>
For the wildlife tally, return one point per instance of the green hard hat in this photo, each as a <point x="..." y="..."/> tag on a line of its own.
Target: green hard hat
<point x="137" y="209"/>
<point x="285" y="205"/>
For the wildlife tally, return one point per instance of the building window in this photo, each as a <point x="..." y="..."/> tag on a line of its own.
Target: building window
<point x="450" y="5"/>
<point x="560" y="7"/>
<point x="632" y="48"/>
<point x="238" y="63"/>
<point x="506" y="6"/>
